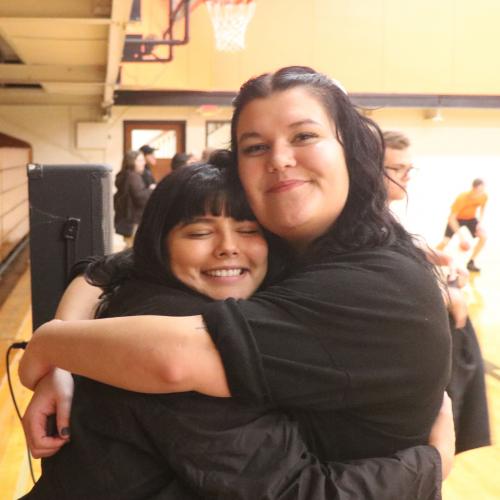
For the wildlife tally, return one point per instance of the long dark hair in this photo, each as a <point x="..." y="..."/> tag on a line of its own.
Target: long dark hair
<point x="186" y="193"/>
<point x="365" y="221"/>
<point x="128" y="162"/>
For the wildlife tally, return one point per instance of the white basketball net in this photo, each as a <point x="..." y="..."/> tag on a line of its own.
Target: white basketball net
<point x="230" y="19"/>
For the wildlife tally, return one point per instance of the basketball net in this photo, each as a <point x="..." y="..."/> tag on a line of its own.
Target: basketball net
<point x="230" y="20"/>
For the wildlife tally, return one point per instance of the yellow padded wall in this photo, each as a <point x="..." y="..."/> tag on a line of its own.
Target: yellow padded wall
<point x="387" y="46"/>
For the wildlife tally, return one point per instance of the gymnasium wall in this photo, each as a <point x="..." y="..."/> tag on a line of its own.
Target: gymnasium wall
<point x="385" y="46"/>
<point x="13" y="197"/>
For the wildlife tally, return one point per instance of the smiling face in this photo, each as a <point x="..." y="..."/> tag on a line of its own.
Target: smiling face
<point x="291" y="165"/>
<point x="218" y="256"/>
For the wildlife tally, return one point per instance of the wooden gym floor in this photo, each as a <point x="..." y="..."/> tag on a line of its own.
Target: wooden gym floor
<point x="476" y="474"/>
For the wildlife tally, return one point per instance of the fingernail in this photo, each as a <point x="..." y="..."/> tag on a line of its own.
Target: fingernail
<point x="64" y="431"/>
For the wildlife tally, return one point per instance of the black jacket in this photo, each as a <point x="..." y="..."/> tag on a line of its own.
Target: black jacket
<point x="131" y="197"/>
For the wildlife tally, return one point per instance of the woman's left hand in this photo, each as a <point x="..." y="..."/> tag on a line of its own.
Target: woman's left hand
<point x="53" y="396"/>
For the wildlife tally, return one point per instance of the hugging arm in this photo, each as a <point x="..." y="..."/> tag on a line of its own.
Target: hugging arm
<point x="55" y="390"/>
<point x="289" y="472"/>
<point x="130" y="353"/>
<point x="284" y="469"/>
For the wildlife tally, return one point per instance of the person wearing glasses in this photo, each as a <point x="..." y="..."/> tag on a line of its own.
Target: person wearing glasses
<point x="467" y="387"/>
<point x="398" y="164"/>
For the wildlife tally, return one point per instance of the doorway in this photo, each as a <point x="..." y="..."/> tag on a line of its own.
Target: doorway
<point x="166" y="137"/>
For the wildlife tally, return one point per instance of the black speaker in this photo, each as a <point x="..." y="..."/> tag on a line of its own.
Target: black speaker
<point x="70" y="218"/>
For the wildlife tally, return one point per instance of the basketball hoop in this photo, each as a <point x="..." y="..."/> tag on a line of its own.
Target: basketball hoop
<point x="230" y="20"/>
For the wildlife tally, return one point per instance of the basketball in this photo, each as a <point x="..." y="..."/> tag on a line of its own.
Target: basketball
<point x="464" y="246"/>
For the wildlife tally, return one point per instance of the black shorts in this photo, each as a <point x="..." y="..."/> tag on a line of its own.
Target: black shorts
<point x="470" y="224"/>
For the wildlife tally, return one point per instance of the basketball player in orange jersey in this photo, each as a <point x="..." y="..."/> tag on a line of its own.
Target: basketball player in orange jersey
<point x="464" y="212"/>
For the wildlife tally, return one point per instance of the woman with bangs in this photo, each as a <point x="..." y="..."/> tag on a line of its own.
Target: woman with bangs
<point x="339" y="342"/>
<point x="197" y="242"/>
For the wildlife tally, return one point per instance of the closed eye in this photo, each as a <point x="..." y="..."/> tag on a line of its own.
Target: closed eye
<point x="248" y="228"/>
<point x="198" y="234"/>
<point x="197" y="231"/>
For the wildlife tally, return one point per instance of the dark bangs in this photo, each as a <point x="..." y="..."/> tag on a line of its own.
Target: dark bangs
<point x="210" y="193"/>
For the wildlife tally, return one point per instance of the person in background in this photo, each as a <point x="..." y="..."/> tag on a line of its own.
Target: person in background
<point x="181" y="160"/>
<point x="131" y="195"/>
<point x="464" y="212"/>
<point x="149" y="155"/>
<point x="467" y="386"/>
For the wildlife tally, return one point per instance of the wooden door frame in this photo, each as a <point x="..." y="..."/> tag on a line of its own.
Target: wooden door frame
<point x="152" y="123"/>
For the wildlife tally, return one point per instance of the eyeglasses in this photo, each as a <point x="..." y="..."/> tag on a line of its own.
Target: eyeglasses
<point x="401" y="170"/>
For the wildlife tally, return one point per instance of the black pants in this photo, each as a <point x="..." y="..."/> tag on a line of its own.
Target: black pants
<point x="470" y="224"/>
<point x="467" y="390"/>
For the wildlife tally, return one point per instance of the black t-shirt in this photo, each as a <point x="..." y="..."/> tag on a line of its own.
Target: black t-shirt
<point x="360" y="345"/>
